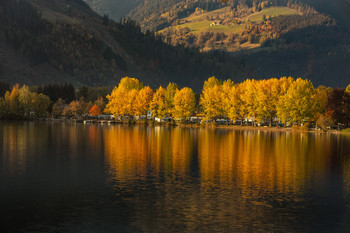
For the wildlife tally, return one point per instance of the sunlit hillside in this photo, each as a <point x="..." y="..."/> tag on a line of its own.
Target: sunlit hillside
<point x="206" y="22"/>
<point x="223" y="24"/>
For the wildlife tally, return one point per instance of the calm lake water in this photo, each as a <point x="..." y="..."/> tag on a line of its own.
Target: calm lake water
<point x="58" y="177"/>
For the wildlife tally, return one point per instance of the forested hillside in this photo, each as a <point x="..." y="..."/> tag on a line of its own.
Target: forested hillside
<point x="305" y="38"/>
<point x="65" y="41"/>
<point x="115" y="9"/>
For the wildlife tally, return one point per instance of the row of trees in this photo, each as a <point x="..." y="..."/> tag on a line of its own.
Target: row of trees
<point x="77" y="107"/>
<point x="27" y="102"/>
<point x="285" y="99"/>
<point x="131" y="98"/>
<point x="21" y="103"/>
<point x="289" y="100"/>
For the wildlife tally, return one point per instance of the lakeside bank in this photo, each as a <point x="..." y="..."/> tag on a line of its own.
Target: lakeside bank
<point x="153" y="123"/>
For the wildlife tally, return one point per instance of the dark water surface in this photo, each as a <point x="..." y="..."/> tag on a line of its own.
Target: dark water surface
<point x="57" y="177"/>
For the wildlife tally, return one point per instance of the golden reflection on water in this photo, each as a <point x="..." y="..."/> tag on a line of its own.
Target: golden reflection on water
<point x="249" y="160"/>
<point x="183" y="178"/>
<point x="134" y="152"/>
<point x="255" y="160"/>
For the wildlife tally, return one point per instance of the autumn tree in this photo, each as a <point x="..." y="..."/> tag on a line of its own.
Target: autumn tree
<point x="25" y="99"/>
<point x="20" y="102"/>
<point x="184" y="103"/>
<point x="58" y="107"/>
<point x="100" y="103"/>
<point x="95" y="110"/>
<point x="170" y="92"/>
<point x="230" y="99"/>
<point x="143" y="101"/>
<point x="297" y="105"/>
<point x="74" y="108"/>
<point x="40" y="104"/>
<point x="325" y="120"/>
<point x="123" y="96"/>
<point x="158" y="103"/>
<point x="248" y="96"/>
<point x="211" y="98"/>
<point x="321" y="97"/>
<point x="346" y="105"/>
<point x="13" y="100"/>
<point x="284" y="85"/>
<point x="267" y="96"/>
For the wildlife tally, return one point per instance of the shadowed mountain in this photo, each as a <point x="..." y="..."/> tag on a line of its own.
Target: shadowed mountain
<point x="319" y="53"/>
<point x="115" y="9"/>
<point x="65" y="41"/>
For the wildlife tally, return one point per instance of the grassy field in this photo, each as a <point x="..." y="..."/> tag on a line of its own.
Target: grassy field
<point x="200" y="23"/>
<point x="271" y="12"/>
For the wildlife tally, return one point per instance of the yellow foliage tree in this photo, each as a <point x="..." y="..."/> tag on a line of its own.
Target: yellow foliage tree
<point x="13" y="100"/>
<point x="347" y="90"/>
<point x="171" y="89"/>
<point x="267" y="95"/>
<point x="321" y="97"/>
<point x="211" y="98"/>
<point x="297" y="105"/>
<point x="282" y="111"/>
<point x="158" y="103"/>
<point x="346" y="105"/>
<point x="25" y="98"/>
<point x="248" y="97"/>
<point x="184" y="103"/>
<point x="74" y="108"/>
<point x="40" y="104"/>
<point x="143" y="101"/>
<point x="285" y="83"/>
<point x="123" y="96"/>
<point x="229" y="99"/>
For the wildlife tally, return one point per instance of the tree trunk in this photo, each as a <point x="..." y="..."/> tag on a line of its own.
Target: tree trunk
<point x="270" y="121"/>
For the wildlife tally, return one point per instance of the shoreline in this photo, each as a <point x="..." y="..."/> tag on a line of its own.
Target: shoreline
<point x="167" y="124"/>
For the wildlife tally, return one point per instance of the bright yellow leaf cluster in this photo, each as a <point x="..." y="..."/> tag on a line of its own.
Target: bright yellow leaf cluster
<point x="129" y="98"/>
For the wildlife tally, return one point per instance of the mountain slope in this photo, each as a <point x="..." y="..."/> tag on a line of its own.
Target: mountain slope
<point x="65" y="41"/>
<point x="301" y="38"/>
<point x="115" y="9"/>
<point x="339" y="9"/>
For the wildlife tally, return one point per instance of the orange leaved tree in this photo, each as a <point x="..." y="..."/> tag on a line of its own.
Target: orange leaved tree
<point x="95" y="110"/>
